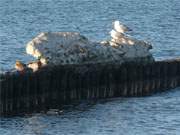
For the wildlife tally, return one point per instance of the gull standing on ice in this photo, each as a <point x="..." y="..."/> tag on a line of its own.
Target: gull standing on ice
<point x="116" y="35"/>
<point x="119" y="27"/>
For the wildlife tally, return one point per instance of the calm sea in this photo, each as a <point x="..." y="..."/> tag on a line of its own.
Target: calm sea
<point x="151" y="20"/>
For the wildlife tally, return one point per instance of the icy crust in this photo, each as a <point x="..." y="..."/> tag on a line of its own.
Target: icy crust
<point x="73" y="48"/>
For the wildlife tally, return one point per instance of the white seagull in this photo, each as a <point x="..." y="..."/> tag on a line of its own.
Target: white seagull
<point x="119" y="27"/>
<point x="116" y="35"/>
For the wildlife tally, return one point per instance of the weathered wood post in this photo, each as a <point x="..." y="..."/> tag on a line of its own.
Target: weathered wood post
<point x="53" y="87"/>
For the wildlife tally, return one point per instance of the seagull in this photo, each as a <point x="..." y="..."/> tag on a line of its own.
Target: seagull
<point x="119" y="27"/>
<point x="35" y="65"/>
<point x="19" y="66"/>
<point x="116" y="35"/>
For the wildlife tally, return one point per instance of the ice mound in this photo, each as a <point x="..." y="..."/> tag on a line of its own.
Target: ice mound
<point x="73" y="48"/>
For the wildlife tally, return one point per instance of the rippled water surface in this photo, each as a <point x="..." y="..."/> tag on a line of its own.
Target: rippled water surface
<point x="152" y="20"/>
<point x="155" y="115"/>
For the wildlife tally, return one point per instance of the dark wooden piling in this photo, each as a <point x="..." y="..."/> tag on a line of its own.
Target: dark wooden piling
<point x="53" y="87"/>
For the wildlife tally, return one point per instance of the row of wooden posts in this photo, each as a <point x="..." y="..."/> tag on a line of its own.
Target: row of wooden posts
<point x="53" y="87"/>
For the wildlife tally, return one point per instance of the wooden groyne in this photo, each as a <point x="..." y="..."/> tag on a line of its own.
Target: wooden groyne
<point x="52" y="87"/>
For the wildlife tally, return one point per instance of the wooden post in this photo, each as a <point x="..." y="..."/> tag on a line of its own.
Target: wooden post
<point x="52" y="87"/>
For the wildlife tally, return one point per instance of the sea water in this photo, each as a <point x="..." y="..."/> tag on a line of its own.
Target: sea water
<point x="155" y="21"/>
